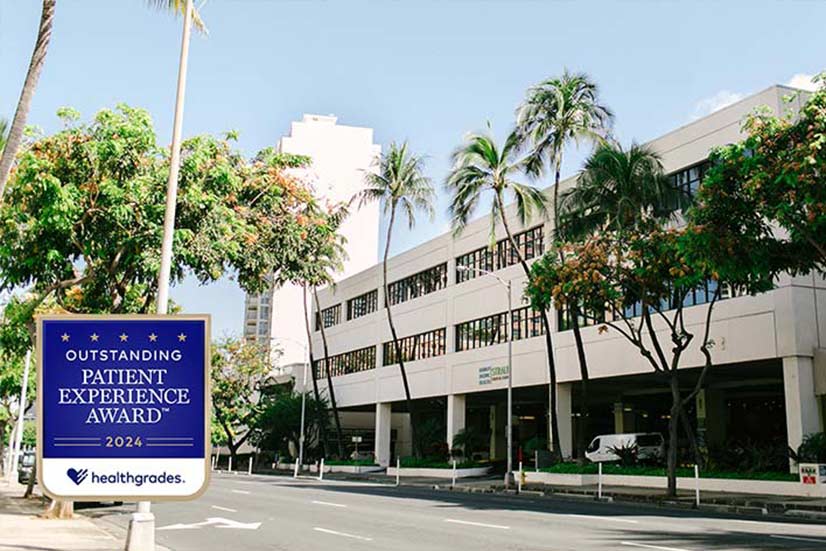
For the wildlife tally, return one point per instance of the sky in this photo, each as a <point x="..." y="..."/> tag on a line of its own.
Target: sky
<point x="424" y="71"/>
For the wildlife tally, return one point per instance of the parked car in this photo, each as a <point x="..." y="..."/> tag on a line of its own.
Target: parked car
<point x="650" y="445"/>
<point x="25" y="467"/>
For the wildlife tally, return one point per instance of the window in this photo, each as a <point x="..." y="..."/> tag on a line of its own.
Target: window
<point x="687" y="182"/>
<point x="493" y="329"/>
<point x="362" y="305"/>
<point x="416" y="347"/>
<point x="331" y="316"/>
<point x="354" y="361"/>
<point x="418" y="285"/>
<point x="530" y="243"/>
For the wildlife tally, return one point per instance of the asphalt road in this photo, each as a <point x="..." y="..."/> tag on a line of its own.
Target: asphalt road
<point x="280" y="513"/>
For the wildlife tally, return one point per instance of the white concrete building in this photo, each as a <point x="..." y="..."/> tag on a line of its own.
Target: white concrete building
<point x="341" y="155"/>
<point x="761" y="388"/>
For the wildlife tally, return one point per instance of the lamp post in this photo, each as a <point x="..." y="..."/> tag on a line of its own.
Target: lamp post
<point x="306" y="348"/>
<point x="508" y="287"/>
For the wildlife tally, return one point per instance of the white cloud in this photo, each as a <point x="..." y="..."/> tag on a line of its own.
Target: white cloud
<point x="803" y="81"/>
<point x="721" y="99"/>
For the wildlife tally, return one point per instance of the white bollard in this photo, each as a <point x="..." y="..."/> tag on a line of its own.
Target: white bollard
<point x="398" y="471"/>
<point x="536" y="460"/>
<point x="453" y="483"/>
<point x="697" y="486"/>
<point x="519" y="482"/>
<point x="213" y="463"/>
<point x="249" y="467"/>
<point x="599" y="484"/>
<point x="229" y="468"/>
<point x="321" y="470"/>
<point x="295" y="472"/>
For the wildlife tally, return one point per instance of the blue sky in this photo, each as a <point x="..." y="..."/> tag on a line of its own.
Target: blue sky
<point x="421" y="70"/>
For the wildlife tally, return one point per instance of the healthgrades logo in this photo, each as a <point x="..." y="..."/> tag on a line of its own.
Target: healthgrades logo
<point x="79" y="475"/>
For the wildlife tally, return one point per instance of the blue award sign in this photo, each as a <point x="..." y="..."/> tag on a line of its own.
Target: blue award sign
<point x="123" y="407"/>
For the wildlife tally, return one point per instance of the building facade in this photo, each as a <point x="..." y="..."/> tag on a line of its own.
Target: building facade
<point x="340" y="157"/>
<point x="766" y="385"/>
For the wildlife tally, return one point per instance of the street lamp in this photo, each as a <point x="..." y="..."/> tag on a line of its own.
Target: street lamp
<point x="306" y="348"/>
<point x="507" y="285"/>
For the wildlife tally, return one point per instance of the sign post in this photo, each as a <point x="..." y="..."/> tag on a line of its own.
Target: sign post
<point x="123" y="407"/>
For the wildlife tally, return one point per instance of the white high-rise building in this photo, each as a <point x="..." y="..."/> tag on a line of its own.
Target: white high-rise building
<point x="341" y="156"/>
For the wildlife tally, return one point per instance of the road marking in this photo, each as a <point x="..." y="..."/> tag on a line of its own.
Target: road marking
<point x="241" y="492"/>
<point x="328" y="504"/>
<point x="218" y="522"/>
<point x="342" y="534"/>
<point x="651" y="546"/>
<point x="796" y="538"/>
<point x="469" y="523"/>
<point x="610" y="519"/>
<point x="227" y="509"/>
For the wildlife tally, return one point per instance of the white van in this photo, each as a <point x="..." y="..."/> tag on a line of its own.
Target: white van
<point x="650" y="445"/>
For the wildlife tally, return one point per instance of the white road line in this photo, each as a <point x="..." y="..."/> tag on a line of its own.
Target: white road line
<point x="609" y="519"/>
<point x="342" y="534"/>
<point x="469" y="523"/>
<point x="241" y="492"/>
<point x="227" y="509"/>
<point x="328" y="504"/>
<point x="796" y="538"/>
<point x="651" y="546"/>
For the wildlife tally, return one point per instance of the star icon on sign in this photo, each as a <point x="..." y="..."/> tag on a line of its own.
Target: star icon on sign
<point x="124" y="337"/>
<point x="94" y="337"/>
<point x="64" y="337"/>
<point x="182" y="337"/>
<point x="153" y="337"/>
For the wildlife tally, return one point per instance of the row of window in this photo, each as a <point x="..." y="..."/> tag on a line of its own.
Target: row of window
<point x="530" y="243"/>
<point x="362" y="305"/>
<point x="419" y="284"/>
<point x="416" y="347"/>
<point x="493" y="329"/>
<point x="354" y="361"/>
<point x="687" y="182"/>
<point x="701" y="295"/>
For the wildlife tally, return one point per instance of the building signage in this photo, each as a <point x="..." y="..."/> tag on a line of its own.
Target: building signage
<point x="123" y="407"/>
<point x="812" y="473"/>
<point x="491" y="374"/>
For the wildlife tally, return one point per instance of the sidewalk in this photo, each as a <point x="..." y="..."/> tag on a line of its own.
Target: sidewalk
<point x="21" y="529"/>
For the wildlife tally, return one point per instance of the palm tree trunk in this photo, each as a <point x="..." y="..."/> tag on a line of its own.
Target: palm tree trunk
<point x="333" y="405"/>
<point x="556" y="450"/>
<point x="44" y="35"/>
<point x="313" y="374"/>
<point x="396" y="345"/>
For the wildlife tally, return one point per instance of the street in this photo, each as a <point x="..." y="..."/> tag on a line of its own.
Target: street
<point x="259" y="512"/>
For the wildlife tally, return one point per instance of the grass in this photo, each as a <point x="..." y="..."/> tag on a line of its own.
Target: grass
<point x="641" y="470"/>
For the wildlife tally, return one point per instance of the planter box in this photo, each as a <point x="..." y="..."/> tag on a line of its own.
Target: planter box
<point x="439" y="473"/>
<point x="351" y="469"/>
<point x="741" y="486"/>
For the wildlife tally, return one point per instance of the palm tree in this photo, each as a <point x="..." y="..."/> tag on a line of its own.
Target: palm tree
<point x="617" y="189"/>
<point x="556" y="112"/>
<point x="15" y="136"/>
<point x="480" y="166"/>
<point x="400" y="185"/>
<point x="38" y="58"/>
<point x="323" y="255"/>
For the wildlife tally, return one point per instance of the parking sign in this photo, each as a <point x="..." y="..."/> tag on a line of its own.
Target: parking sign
<point x="123" y="407"/>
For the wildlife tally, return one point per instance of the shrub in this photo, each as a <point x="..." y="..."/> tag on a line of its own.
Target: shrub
<point x="467" y="441"/>
<point x="812" y="450"/>
<point x="628" y="453"/>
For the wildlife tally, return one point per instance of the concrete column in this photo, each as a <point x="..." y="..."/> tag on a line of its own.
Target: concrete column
<point x="802" y="409"/>
<point x="384" y="414"/>
<point x="455" y="416"/>
<point x="564" y="402"/>
<point x="619" y="418"/>
<point x="498" y="434"/>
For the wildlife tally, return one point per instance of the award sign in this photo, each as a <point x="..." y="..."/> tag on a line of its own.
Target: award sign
<point x="123" y="407"/>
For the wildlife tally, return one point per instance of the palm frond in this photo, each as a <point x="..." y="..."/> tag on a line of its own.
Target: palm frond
<point x="179" y="7"/>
